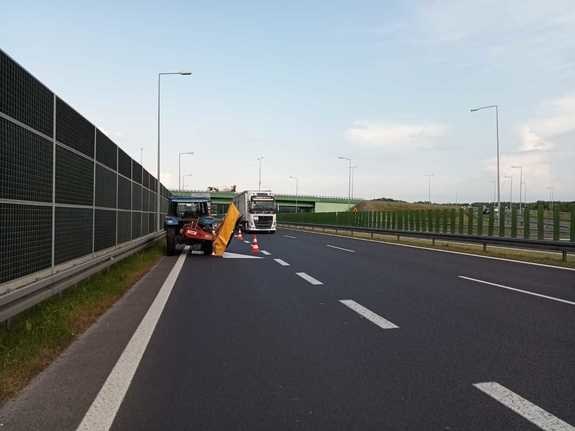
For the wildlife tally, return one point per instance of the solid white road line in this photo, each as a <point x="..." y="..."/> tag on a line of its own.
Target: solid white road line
<point x="282" y="262"/>
<point x="551" y="298"/>
<point x="340" y="248"/>
<point x="534" y="414"/>
<point x="379" y="241"/>
<point x="265" y="253"/>
<point x="309" y="278"/>
<point x="104" y="408"/>
<point x="289" y="236"/>
<point x="368" y="314"/>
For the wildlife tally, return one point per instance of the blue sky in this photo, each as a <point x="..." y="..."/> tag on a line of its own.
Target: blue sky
<point x="388" y="83"/>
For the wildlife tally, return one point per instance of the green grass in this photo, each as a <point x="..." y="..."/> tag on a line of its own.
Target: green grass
<point x="37" y="336"/>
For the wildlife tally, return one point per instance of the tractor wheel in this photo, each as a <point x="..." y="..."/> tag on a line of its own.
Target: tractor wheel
<point x="207" y="248"/>
<point x="170" y="242"/>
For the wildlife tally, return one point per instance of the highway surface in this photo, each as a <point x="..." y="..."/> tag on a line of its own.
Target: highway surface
<point x="321" y="333"/>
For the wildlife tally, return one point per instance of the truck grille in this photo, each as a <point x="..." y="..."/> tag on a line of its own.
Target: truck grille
<point x="264" y="222"/>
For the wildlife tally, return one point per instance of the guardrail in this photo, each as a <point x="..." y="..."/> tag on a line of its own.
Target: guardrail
<point x="22" y="297"/>
<point x="564" y="247"/>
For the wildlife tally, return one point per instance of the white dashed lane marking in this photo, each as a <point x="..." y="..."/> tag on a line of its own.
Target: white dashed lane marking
<point x="282" y="262"/>
<point x="309" y="278"/>
<point x="534" y="414"/>
<point x="340" y="248"/>
<point x="265" y="253"/>
<point x="368" y="314"/>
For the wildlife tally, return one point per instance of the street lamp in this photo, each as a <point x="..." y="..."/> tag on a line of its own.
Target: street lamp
<point x="260" y="173"/>
<point x="497" y="134"/>
<point x="353" y="168"/>
<point x="429" y="176"/>
<point x="296" y="192"/>
<point x="184" y="179"/>
<point x="349" y="177"/>
<point x="551" y="196"/>
<point x="158" y="161"/>
<point x="142" y="156"/>
<point x="191" y="153"/>
<point x="520" y="185"/>
<point x="494" y="194"/>
<point x="510" y="178"/>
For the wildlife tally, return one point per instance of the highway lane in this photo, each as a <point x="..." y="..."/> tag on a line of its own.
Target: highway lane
<point x="248" y="344"/>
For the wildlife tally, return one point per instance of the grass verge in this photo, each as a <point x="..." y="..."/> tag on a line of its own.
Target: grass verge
<point x="37" y="336"/>
<point x="533" y="256"/>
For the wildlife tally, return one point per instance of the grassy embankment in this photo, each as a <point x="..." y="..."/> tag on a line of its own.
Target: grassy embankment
<point x="37" y="336"/>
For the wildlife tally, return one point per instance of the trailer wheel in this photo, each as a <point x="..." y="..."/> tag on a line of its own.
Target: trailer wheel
<point x="170" y="242"/>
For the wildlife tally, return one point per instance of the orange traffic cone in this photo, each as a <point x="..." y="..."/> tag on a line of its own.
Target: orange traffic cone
<point x="240" y="236"/>
<point x="255" y="246"/>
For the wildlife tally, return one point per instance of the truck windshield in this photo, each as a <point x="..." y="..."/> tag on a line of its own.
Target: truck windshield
<point x="263" y="205"/>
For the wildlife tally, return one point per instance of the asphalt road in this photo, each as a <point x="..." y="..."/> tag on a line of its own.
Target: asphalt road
<point x="348" y="334"/>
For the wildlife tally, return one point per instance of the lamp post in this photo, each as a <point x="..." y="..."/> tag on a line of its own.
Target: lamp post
<point x="493" y="196"/>
<point x="353" y="168"/>
<point x="429" y="176"/>
<point x="158" y="160"/>
<point x="260" y="173"/>
<point x="184" y="179"/>
<point x="349" y="177"/>
<point x="180" y="167"/>
<point x="142" y="156"/>
<point x="496" y="107"/>
<point x="510" y="178"/>
<point x="520" y="185"/>
<point x="551" y="196"/>
<point x="296" y="193"/>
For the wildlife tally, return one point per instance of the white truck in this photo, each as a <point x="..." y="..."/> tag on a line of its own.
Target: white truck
<point x="257" y="211"/>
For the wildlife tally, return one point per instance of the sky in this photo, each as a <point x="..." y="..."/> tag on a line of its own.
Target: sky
<point x="388" y="84"/>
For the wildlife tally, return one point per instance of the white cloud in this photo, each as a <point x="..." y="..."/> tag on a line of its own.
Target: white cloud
<point x="393" y="135"/>
<point x="556" y="118"/>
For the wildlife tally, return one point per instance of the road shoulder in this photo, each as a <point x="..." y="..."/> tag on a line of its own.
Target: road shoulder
<point x="59" y="396"/>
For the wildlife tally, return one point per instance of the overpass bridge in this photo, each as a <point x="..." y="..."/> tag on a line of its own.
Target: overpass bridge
<point x="286" y="203"/>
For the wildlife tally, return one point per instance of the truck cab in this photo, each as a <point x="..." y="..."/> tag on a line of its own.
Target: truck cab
<point x="257" y="211"/>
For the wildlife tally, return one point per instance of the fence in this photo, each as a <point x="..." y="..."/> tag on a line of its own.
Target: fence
<point x="528" y="224"/>
<point x="67" y="191"/>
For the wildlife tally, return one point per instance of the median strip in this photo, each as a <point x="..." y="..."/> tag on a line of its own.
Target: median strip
<point x="368" y="314"/>
<point x="534" y="414"/>
<point x="526" y="292"/>
<point x="309" y="278"/>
